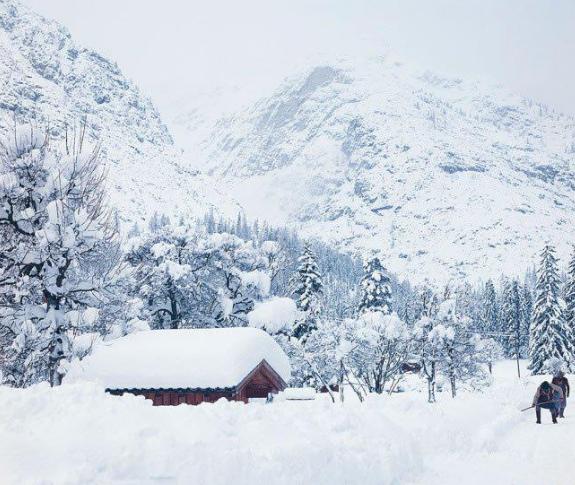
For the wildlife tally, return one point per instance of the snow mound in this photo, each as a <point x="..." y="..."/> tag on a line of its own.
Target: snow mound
<point x="186" y="358"/>
<point x="76" y="434"/>
<point x="298" y="394"/>
<point x="274" y="315"/>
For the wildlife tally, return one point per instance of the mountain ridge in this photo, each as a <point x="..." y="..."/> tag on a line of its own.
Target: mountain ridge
<point x="53" y="83"/>
<point x="440" y="177"/>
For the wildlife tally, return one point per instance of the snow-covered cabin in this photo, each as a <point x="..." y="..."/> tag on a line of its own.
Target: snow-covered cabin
<point x="172" y="367"/>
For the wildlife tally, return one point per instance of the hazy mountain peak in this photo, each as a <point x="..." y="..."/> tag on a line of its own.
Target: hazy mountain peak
<point x="442" y="177"/>
<point x="50" y="81"/>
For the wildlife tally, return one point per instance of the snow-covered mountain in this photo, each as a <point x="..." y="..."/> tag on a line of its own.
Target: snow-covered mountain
<point x="48" y="80"/>
<point x="444" y="178"/>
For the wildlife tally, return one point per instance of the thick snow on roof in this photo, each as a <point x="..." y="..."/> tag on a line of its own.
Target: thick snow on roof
<point x="198" y="358"/>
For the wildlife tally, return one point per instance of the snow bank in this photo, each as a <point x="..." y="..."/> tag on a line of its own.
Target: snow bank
<point x="298" y="394"/>
<point x="203" y="358"/>
<point x="274" y="314"/>
<point x="77" y="434"/>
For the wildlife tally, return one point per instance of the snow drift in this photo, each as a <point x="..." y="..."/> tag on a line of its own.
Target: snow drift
<point x="77" y="434"/>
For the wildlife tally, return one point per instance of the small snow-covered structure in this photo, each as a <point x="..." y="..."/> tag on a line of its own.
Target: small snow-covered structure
<point x="188" y="366"/>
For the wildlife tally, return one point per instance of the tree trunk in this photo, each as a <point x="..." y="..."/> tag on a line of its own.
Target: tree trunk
<point x="174" y="320"/>
<point x="430" y="390"/>
<point x="518" y="349"/>
<point x="431" y="384"/>
<point x="340" y="381"/>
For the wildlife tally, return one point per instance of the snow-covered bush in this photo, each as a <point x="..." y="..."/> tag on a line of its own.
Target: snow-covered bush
<point x="276" y="315"/>
<point x="190" y="278"/>
<point x="382" y="344"/>
<point x="445" y="345"/>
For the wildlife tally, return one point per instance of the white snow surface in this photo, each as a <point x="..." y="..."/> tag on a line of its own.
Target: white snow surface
<point x="77" y="434"/>
<point x="298" y="394"/>
<point x="184" y="358"/>
<point x="258" y="279"/>
<point x="276" y="314"/>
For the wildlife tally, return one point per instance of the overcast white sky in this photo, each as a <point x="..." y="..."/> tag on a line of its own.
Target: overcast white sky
<point x="171" y="47"/>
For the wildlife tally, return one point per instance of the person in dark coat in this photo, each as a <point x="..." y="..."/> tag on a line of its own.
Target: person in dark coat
<point x="560" y="380"/>
<point x="548" y="396"/>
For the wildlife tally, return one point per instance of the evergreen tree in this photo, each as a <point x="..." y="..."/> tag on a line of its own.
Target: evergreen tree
<point x="490" y="311"/>
<point x="375" y="288"/>
<point x="489" y="323"/>
<point x="309" y="288"/>
<point x="569" y="312"/>
<point x="549" y="334"/>
<point x="514" y="323"/>
<point x="134" y="230"/>
<point x="154" y="223"/>
<point x="526" y="308"/>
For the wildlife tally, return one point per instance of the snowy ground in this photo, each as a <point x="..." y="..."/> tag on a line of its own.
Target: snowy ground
<point x="75" y="434"/>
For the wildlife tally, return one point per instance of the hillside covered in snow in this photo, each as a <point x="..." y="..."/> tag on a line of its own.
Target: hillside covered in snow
<point x="47" y="80"/>
<point x="441" y="177"/>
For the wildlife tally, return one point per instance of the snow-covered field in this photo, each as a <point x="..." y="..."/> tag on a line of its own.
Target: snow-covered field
<point x="76" y="434"/>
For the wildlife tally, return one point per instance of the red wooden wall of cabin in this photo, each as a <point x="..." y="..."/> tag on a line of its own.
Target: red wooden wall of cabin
<point x="262" y="381"/>
<point x="173" y="398"/>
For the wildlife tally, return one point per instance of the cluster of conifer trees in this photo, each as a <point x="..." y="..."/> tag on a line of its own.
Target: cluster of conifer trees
<point x="69" y="280"/>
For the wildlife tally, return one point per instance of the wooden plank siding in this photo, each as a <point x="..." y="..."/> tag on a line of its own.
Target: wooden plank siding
<point x="260" y="382"/>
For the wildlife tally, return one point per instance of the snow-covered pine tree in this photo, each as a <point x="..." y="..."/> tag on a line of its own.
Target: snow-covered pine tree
<point x="517" y="338"/>
<point x="569" y="311"/>
<point x="508" y="316"/>
<point x="490" y="311"/>
<point x="375" y="288"/>
<point x="526" y="308"/>
<point x="549" y="334"/>
<point x="308" y="290"/>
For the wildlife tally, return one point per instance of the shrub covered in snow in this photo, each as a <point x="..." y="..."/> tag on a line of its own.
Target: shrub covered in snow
<point x="188" y="278"/>
<point x="276" y="315"/>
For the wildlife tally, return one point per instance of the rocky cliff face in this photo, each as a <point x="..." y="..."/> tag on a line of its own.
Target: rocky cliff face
<point x="443" y="178"/>
<point x="49" y="81"/>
